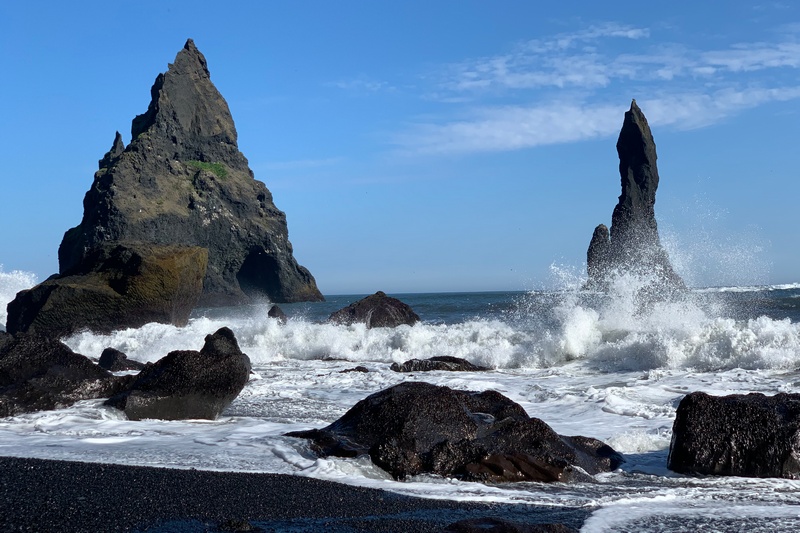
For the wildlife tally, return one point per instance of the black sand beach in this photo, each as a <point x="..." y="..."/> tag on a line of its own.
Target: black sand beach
<point x="45" y="495"/>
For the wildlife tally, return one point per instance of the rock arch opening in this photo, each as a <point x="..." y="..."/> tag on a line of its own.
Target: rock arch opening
<point x="258" y="276"/>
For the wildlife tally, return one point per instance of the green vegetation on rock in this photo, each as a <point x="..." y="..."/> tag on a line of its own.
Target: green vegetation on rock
<point x="218" y="169"/>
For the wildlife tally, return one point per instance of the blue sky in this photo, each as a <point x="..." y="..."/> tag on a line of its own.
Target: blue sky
<point x="432" y="146"/>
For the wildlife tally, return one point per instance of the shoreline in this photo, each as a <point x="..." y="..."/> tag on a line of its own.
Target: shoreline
<point x="53" y="495"/>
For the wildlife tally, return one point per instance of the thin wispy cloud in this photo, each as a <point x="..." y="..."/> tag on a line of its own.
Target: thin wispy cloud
<point x="495" y="129"/>
<point x="511" y="128"/>
<point x="582" y="81"/>
<point x="561" y="61"/>
<point x="361" y="84"/>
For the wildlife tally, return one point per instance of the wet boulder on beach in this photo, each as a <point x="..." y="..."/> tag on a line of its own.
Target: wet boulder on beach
<point x="376" y="311"/>
<point x="439" y="362"/>
<point x="186" y="384"/>
<point x="39" y="373"/>
<point x="748" y="435"/>
<point x="414" y="428"/>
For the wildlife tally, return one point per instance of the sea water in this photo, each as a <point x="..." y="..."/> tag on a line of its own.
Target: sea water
<point x="608" y="366"/>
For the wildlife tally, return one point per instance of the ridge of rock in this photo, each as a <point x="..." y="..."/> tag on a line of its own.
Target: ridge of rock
<point x="633" y="244"/>
<point x="183" y="181"/>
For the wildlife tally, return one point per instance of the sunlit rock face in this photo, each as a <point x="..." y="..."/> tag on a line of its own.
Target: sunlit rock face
<point x="632" y="245"/>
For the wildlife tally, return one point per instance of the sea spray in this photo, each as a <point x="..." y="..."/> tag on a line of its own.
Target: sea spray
<point x="708" y="248"/>
<point x="10" y="284"/>
<point x="609" y="332"/>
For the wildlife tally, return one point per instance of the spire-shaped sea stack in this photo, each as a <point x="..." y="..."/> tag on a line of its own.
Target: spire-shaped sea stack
<point x="633" y="244"/>
<point x="183" y="181"/>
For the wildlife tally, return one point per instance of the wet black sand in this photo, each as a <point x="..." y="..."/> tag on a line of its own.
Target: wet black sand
<point x="44" y="495"/>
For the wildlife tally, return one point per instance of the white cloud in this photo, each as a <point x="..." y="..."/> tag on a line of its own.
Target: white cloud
<point x="504" y="128"/>
<point x="586" y="60"/>
<point x="361" y="84"/>
<point x="754" y="56"/>
<point x="511" y="128"/>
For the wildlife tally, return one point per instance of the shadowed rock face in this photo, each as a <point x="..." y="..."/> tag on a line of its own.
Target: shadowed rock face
<point x="633" y="244"/>
<point x="183" y="181"/>
<point x="413" y="428"/>
<point x="750" y="435"/>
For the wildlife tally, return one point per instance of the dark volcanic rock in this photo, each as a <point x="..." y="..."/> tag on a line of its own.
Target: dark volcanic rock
<point x="115" y="361"/>
<point x="38" y="373"/>
<point x="413" y="428"/>
<point x="359" y="368"/>
<point x="443" y="362"/>
<point x="187" y="384"/>
<point x="5" y="338"/>
<point x="633" y="244"/>
<point x="277" y="313"/>
<point x="182" y="180"/>
<point x="749" y="435"/>
<point x="376" y="311"/>
<point x="126" y="285"/>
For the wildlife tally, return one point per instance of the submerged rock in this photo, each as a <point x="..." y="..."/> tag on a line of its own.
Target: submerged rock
<point x="186" y="384"/>
<point x="415" y="428"/>
<point x="359" y="368"/>
<point x="278" y="314"/>
<point x="126" y="285"/>
<point x="376" y="311"/>
<point x="38" y="373"/>
<point x="750" y="435"/>
<point x="183" y="181"/>
<point x="633" y="244"/>
<point x="442" y="362"/>
<point x="115" y="361"/>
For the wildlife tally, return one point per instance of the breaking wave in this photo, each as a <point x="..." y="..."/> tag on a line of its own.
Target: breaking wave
<point x="10" y="284"/>
<point x="605" y="332"/>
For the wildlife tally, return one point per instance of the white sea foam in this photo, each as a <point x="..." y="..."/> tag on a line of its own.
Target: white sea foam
<point x="613" y="336"/>
<point x="604" y="366"/>
<point x="10" y="284"/>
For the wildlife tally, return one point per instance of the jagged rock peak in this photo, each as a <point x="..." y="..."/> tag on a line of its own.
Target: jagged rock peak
<point x="116" y="150"/>
<point x="633" y="243"/>
<point x="634" y="216"/>
<point x="183" y="181"/>
<point x="185" y="106"/>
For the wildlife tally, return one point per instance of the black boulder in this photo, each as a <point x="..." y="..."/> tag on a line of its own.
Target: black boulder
<point x="186" y="384"/>
<point x="415" y="428"/>
<point x="37" y="373"/>
<point x="750" y="435"/>
<point x="376" y="311"/>
<point x="441" y="362"/>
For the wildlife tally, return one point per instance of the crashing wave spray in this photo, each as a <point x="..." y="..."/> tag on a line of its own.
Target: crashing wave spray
<point x="10" y="284"/>
<point x="633" y="243"/>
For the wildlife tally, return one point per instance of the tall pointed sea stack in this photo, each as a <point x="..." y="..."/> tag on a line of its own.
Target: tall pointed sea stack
<point x="183" y="181"/>
<point x="633" y="244"/>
